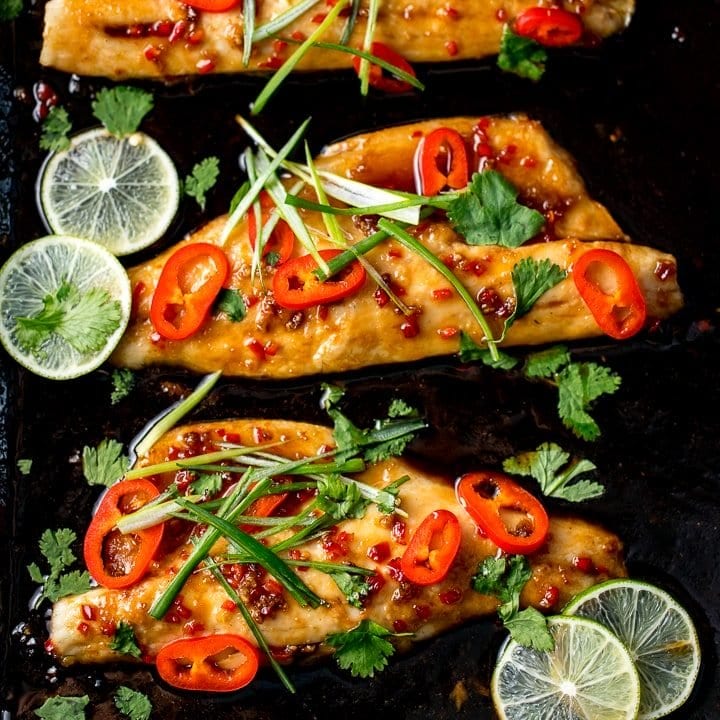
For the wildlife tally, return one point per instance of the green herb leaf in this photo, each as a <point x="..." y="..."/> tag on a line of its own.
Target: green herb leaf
<point x="121" y="109"/>
<point x="203" y="177"/>
<point x="124" y="640"/>
<point x="63" y="708"/>
<point x="105" y="464"/>
<point x="546" y="363"/>
<point x="10" y="9"/>
<point x="72" y="583"/>
<point x="339" y="499"/>
<point x="529" y="628"/>
<point x="132" y="703"/>
<point x="56" y="548"/>
<point x="55" y="129"/>
<point x="532" y="279"/>
<point x="362" y="650"/>
<point x="470" y="351"/>
<point x="123" y="381"/>
<point x="355" y="587"/>
<point x="545" y="465"/>
<point x="579" y="384"/>
<point x="207" y="484"/>
<point x="231" y="302"/>
<point x="521" y="56"/>
<point x="488" y="213"/>
<point x="24" y="466"/>
<point x="84" y="320"/>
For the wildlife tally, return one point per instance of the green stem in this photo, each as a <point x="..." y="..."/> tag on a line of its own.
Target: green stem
<point x="336" y="264"/>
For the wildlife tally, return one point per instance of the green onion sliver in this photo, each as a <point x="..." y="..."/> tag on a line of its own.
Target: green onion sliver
<point x="417" y="247"/>
<point x="364" y="70"/>
<point x="288" y="66"/>
<point x="305" y="204"/>
<point x="248" y="30"/>
<point x="350" y="23"/>
<point x="281" y="21"/>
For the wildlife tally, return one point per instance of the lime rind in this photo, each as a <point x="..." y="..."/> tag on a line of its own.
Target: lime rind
<point x="588" y="676"/>
<point x="658" y="633"/>
<point x="36" y="270"/>
<point x="122" y="193"/>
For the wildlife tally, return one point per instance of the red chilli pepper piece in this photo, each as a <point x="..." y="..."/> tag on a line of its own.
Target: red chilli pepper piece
<point x="385" y="82"/>
<point x="281" y="240"/>
<point x="115" y="560"/>
<point x="441" y="161"/>
<point x="432" y="548"/>
<point x="215" y="663"/>
<point x="213" y="5"/>
<point x="263" y="507"/>
<point x="296" y="287"/>
<point x="610" y="290"/>
<point x="189" y="283"/>
<point x="508" y="514"/>
<point x="552" y="27"/>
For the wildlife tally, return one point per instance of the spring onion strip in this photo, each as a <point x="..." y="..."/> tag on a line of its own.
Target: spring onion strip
<point x="289" y="214"/>
<point x="364" y="70"/>
<point x="265" y="557"/>
<point x="289" y="65"/>
<point x="149" y="516"/>
<point x="351" y="192"/>
<point x="256" y="209"/>
<point x="305" y="204"/>
<point x="248" y="30"/>
<point x="331" y="223"/>
<point x="315" y="564"/>
<point x="281" y="21"/>
<point x="275" y="215"/>
<point x="350" y="23"/>
<point x="250" y="622"/>
<point x="174" y="414"/>
<point x="418" y="248"/>
<point x="255" y="188"/>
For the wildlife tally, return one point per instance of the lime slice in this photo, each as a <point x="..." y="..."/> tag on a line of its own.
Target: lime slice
<point x="120" y="192"/>
<point x="656" y="630"/>
<point x="588" y="676"/>
<point x="77" y="296"/>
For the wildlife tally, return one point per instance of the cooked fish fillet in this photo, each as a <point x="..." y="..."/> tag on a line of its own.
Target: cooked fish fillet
<point x="81" y="626"/>
<point x="134" y="39"/>
<point x="357" y="331"/>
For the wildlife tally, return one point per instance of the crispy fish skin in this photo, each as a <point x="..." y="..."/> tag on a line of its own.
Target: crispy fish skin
<point x="92" y="38"/>
<point x="76" y="639"/>
<point x="356" y="332"/>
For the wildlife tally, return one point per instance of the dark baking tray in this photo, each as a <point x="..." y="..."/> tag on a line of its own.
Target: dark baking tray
<point x="639" y="114"/>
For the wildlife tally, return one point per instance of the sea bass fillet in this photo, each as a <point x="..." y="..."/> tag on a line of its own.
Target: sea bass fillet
<point x="82" y="626"/>
<point x="366" y="329"/>
<point x="166" y="38"/>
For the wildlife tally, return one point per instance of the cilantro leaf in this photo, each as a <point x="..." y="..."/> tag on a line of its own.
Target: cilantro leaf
<point x="529" y="628"/>
<point x="121" y="109"/>
<point x="207" y="484"/>
<point x="104" y="464"/>
<point x="399" y="408"/>
<point x="231" y="302"/>
<point x="340" y="499"/>
<point x="35" y="573"/>
<point x="84" y="320"/>
<point x="63" y="708"/>
<point x="521" y="56"/>
<point x="578" y="385"/>
<point x="489" y="214"/>
<point x="124" y="640"/>
<point x="546" y="363"/>
<point x="545" y="464"/>
<point x="532" y="279"/>
<point x="132" y="703"/>
<point x="362" y="650"/>
<point x="505" y="578"/>
<point x="123" y="381"/>
<point x="355" y="587"/>
<point x="55" y="129"/>
<point x="202" y="178"/>
<point x="470" y="351"/>
<point x="24" y="465"/>
<point x="55" y="547"/>
<point x="10" y="9"/>
<point x="72" y="583"/>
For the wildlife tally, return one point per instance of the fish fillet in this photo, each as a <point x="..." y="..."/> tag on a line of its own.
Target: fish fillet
<point x="79" y="624"/>
<point x="165" y="38"/>
<point x="361" y="331"/>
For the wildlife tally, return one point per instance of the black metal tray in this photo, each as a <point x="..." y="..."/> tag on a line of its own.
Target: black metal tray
<point x="639" y="115"/>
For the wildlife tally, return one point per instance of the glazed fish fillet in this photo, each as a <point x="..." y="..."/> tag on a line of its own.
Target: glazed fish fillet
<point x="166" y="38"/>
<point x="78" y="628"/>
<point x="361" y="330"/>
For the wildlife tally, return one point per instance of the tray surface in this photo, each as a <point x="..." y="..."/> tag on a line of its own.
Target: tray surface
<point x="639" y="115"/>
